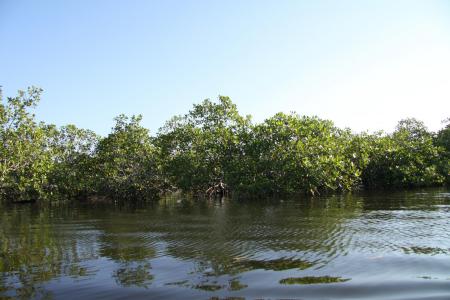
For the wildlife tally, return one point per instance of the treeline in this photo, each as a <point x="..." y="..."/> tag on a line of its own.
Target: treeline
<point x="212" y="149"/>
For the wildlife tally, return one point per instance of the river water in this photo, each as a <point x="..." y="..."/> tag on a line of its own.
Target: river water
<point x="392" y="245"/>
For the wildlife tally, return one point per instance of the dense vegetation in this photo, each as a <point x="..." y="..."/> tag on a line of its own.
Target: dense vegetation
<point x="212" y="149"/>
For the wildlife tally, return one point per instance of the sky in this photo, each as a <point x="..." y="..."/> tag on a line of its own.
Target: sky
<point x="363" y="64"/>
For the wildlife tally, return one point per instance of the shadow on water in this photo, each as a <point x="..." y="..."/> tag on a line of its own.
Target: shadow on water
<point x="202" y="249"/>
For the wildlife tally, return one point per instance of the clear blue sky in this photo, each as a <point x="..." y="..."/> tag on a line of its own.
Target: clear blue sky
<point x="363" y="64"/>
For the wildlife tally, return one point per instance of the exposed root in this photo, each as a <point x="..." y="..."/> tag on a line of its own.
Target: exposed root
<point x="217" y="189"/>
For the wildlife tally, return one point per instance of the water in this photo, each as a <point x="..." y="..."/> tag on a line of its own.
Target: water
<point x="374" y="246"/>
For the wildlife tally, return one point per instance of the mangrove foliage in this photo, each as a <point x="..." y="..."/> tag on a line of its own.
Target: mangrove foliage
<point x="210" y="150"/>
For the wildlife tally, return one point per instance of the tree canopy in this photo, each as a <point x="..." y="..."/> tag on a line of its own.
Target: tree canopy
<point x="210" y="150"/>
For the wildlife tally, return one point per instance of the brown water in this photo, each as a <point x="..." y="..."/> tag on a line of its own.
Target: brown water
<point x="375" y="246"/>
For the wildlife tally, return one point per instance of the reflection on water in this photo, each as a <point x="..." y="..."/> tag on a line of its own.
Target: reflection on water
<point x="312" y="280"/>
<point x="367" y="245"/>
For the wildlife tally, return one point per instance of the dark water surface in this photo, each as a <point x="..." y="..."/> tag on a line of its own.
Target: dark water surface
<point x="374" y="246"/>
